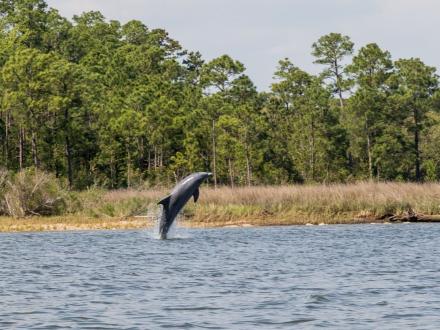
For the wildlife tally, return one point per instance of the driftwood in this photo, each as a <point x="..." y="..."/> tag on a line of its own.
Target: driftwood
<point x="410" y="216"/>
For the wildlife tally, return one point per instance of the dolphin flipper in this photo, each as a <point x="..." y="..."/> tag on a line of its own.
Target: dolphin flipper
<point x="196" y="195"/>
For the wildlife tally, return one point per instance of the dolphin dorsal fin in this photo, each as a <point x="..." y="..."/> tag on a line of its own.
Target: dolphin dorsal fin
<point x="165" y="201"/>
<point x="196" y="195"/>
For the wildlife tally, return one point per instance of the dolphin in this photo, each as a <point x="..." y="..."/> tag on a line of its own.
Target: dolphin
<point x="180" y="195"/>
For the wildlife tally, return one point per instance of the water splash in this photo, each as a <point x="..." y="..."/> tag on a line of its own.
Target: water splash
<point x="175" y="232"/>
<point x="156" y="214"/>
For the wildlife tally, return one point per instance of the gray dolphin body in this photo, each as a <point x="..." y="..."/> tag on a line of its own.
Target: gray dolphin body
<point x="174" y="202"/>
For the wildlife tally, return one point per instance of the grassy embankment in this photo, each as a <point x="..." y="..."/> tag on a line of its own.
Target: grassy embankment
<point x="259" y="206"/>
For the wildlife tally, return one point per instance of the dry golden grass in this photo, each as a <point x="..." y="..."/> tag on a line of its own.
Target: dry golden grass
<point x="351" y="196"/>
<point x="285" y="205"/>
<point x="8" y="224"/>
<point x="337" y="203"/>
<point x="127" y="194"/>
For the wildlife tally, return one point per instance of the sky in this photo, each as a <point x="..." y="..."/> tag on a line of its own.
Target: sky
<point x="259" y="33"/>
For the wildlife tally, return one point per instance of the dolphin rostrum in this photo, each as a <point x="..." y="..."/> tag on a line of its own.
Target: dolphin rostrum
<point x="174" y="202"/>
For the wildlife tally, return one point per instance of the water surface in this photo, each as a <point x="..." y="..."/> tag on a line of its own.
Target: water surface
<point x="357" y="277"/>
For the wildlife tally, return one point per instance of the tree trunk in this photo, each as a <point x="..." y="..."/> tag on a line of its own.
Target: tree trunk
<point x="312" y="151"/>
<point x="6" y="145"/>
<point x="341" y="99"/>
<point x="112" y="171"/>
<point x="417" y="146"/>
<point x="248" y="170"/>
<point x="338" y="85"/>
<point x="21" y="148"/>
<point x="128" y="166"/>
<point x="69" y="162"/>
<point x="231" y="173"/>
<point x="34" y="149"/>
<point x="248" y="162"/>
<point x="370" y="160"/>
<point x="68" y="148"/>
<point x="214" y="169"/>
<point x="141" y="157"/>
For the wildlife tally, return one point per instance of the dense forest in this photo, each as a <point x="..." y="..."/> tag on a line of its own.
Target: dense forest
<point x="97" y="102"/>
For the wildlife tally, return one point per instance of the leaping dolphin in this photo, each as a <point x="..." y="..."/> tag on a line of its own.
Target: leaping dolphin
<point x="180" y="195"/>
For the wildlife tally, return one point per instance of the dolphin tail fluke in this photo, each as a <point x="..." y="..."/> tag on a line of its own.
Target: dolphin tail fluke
<point x="163" y="222"/>
<point x="196" y="195"/>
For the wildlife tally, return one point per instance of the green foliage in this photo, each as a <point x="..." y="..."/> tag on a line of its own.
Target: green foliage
<point x="100" y="103"/>
<point x="309" y="127"/>
<point x="330" y="50"/>
<point x="368" y="120"/>
<point x="415" y="85"/>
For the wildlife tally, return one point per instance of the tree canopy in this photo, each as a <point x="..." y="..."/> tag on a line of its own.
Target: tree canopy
<point x="98" y="102"/>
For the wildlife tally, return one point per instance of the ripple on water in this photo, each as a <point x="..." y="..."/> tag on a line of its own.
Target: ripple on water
<point x="243" y="278"/>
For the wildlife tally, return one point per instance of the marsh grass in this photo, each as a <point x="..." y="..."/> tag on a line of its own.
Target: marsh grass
<point x="339" y="203"/>
<point x="277" y="204"/>
<point x="123" y="203"/>
<point x="283" y="205"/>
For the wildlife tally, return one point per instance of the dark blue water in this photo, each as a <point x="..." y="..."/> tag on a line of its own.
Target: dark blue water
<point x="356" y="277"/>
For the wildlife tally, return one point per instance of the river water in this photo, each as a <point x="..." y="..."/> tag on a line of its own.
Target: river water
<point x="356" y="277"/>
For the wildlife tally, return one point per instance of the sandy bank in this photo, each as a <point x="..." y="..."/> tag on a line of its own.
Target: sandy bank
<point x="78" y="223"/>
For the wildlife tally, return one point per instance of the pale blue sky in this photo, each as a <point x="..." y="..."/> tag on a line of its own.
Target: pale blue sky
<point x="261" y="32"/>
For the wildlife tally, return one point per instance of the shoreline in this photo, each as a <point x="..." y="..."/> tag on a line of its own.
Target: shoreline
<point x="357" y="203"/>
<point x="79" y="223"/>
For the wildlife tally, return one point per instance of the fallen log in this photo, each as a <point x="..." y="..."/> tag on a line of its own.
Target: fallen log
<point x="413" y="217"/>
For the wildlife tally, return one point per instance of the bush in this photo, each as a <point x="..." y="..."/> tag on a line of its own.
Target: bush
<point x="33" y="192"/>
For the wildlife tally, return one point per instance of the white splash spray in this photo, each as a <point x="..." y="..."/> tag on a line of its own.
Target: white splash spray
<point x="174" y="232"/>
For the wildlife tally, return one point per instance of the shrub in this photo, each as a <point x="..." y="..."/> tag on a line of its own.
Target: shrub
<point x="33" y="192"/>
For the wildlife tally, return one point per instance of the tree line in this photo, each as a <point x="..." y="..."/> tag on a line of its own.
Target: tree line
<point x="102" y="103"/>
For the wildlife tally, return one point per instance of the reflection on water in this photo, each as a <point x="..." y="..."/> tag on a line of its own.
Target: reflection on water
<point x="357" y="277"/>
